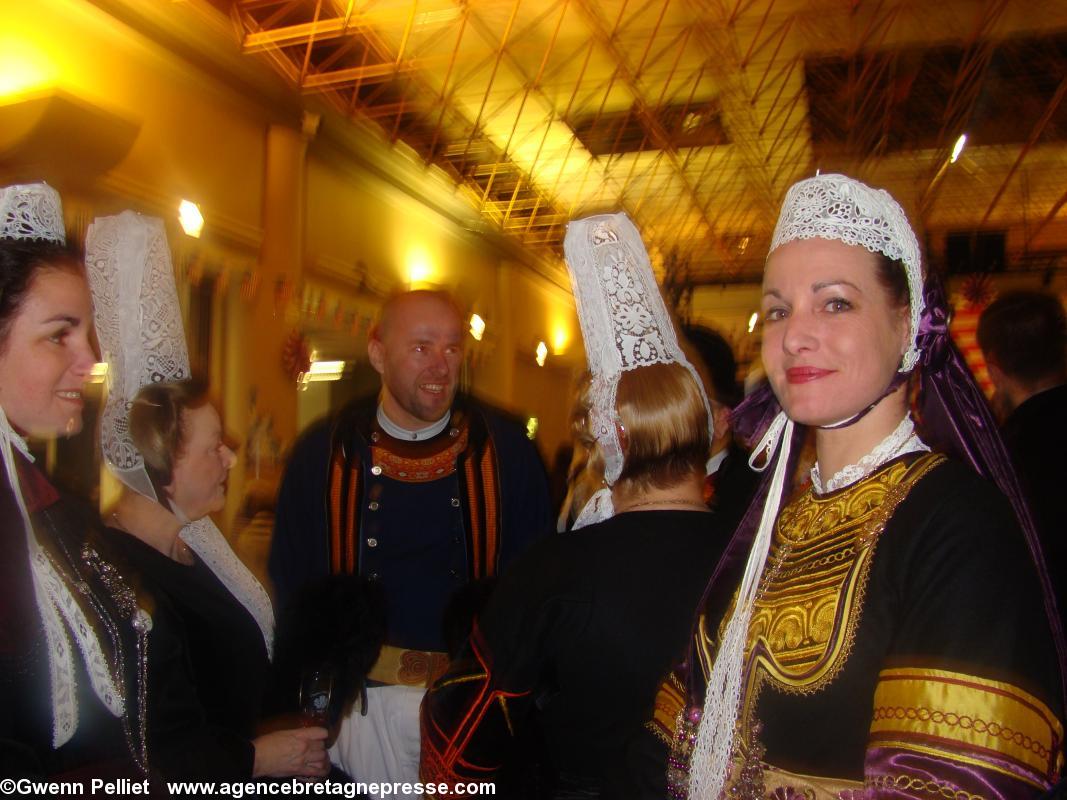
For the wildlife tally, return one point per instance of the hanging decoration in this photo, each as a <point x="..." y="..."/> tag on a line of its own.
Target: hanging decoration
<point x="283" y="294"/>
<point x="296" y="355"/>
<point x="978" y="290"/>
<point x="975" y="294"/>
<point x="222" y="281"/>
<point x="250" y="286"/>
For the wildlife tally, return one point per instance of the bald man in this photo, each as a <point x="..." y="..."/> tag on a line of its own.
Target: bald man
<point x="420" y="489"/>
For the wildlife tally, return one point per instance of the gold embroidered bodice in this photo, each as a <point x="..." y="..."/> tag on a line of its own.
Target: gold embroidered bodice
<point x="961" y="729"/>
<point x="811" y="593"/>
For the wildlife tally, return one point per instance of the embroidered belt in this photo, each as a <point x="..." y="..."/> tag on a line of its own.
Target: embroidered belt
<point x="399" y="667"/>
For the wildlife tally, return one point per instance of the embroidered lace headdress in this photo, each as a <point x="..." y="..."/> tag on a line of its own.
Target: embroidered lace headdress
<point x="33" y="213"/>
<point x="625" y="325"/>
<point x="843" y="209"/>
<point x="139" y="325"/>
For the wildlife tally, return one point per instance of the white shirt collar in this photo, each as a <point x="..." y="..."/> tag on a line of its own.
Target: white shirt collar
<point x="406" y="435"/>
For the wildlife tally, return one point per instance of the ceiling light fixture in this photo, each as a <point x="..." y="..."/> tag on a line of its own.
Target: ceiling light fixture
<point x="958" y="148"/>
<point x="192" y="221"/>
<point x="322" y="371"/>
<point x="542" y="353"/>
<point x="477" y="327"/>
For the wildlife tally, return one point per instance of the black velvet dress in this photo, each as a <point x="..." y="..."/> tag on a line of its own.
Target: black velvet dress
<point x="200" y="723"/>
<point x="898" y="646"/>
<point x="103" y="745"/>
<point x="578" y="634"/>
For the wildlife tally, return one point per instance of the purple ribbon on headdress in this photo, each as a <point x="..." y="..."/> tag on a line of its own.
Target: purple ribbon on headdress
<point x="955" y="419"/>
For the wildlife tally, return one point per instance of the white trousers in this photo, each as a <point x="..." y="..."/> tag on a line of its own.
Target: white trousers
<point x="382" y="747"/>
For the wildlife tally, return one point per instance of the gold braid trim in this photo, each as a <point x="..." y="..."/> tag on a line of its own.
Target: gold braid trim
<point x="667" y="710"/>
<point x="962" y="715"/>
<point x="920" y="786"/>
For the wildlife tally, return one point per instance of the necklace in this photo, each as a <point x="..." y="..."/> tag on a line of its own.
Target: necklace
<point x="692" y="504"/>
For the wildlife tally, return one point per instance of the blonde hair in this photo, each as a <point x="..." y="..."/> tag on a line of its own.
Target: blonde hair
<point x="665" y="426"/>
<point x="664" y="434"/>
<point x="586" y="472"/>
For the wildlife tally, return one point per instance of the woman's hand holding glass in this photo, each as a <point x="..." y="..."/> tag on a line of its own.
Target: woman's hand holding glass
<point x="299" y="752"/>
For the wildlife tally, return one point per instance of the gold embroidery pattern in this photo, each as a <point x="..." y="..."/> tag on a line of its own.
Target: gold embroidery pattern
<point x="810" y="599"/>
<point x="961" y="714"/>
<point x="805" y="619"/>
<point x="953" y="720"/>
<point x="916" y="785"/>
<point x="399" y="667"/>
<point x="667" y="708"/>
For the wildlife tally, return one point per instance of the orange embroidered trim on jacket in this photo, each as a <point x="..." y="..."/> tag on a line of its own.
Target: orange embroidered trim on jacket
<point x="949" y="712"/>
<point x="490" y="494"/>
<point x="336" y="491"/>
<point x="397" y="463"/>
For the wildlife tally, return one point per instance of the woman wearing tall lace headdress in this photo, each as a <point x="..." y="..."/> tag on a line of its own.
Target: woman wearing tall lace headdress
<point x="72" y="635"/>
<point x="885" y="633"/>
<point x="163" y="439"/>
<point x="579" y="632"/>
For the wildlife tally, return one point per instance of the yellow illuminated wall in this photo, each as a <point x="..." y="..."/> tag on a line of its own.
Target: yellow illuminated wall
<point x="200" y="133"/>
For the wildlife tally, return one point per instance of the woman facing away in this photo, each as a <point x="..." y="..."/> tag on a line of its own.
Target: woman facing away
<point x="579" y="633"/>
<point x="72" y="636"/>
<point x="885" y="633"/>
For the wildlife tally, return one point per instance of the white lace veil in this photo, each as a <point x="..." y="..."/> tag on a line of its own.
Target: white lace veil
<point x="33" y="212"/>
<point x="625" y="325"/>
<point x="139" y="325"/>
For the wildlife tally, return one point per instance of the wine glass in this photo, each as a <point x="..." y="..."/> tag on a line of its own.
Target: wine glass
<point x="316" y="688"/>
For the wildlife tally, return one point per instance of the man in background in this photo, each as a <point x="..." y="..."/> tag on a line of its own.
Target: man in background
<point x="1023" y="336"/>
<point x="730" y="482"/>
<point x="419" y="489"/>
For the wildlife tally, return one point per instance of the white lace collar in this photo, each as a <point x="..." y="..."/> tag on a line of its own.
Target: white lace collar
<point x="404" y="435"/>
<point x="902" y="440"/>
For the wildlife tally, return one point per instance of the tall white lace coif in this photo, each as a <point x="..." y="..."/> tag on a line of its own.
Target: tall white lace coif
<point x="625" y="325"/>
<point x="139" y="325"/>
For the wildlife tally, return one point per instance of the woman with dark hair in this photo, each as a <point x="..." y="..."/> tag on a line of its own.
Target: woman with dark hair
<point x="578" y="634"/>
<point x="885" y="633"/>
<point x="72" y="636"/>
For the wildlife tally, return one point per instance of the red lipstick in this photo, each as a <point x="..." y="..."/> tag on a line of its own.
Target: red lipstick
<point x="805" y="374"/>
